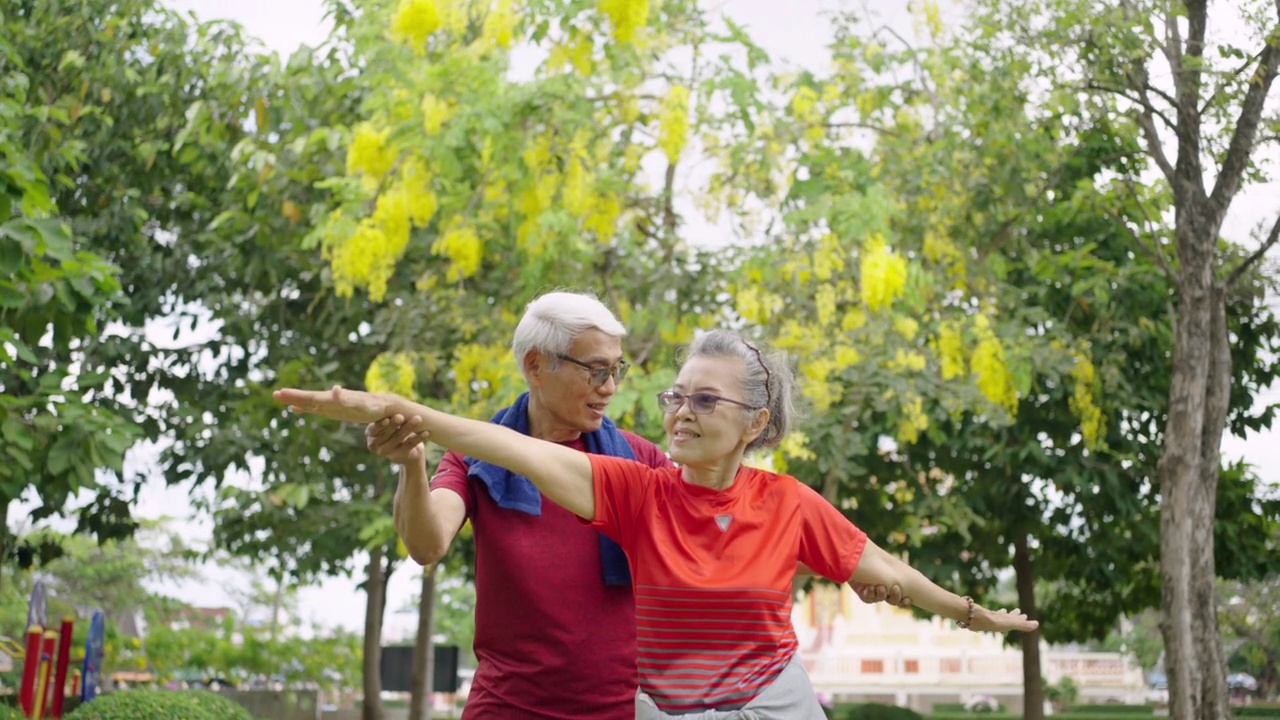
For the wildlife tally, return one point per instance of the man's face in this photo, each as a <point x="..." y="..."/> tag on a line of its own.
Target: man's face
<point x="564" y="398"/>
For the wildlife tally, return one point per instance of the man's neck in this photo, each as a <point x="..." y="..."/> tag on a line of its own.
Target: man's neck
<point x="543" y="426"/>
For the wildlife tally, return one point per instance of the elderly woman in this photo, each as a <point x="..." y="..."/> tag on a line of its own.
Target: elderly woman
<point x="713" y="544"/>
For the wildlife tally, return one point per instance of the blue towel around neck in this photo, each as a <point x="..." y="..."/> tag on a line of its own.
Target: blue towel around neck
<point x="516" y="492"/>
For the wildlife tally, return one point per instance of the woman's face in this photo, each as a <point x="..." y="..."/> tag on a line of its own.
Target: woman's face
<point x="694" y="439"/>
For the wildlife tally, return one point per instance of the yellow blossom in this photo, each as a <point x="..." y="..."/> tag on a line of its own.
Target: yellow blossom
<point x="1084" y="378"/>
<point x="673" y="122"/>
<point x="825" y="304"/>
<point x="906" y="327"/>
<point x="464" y="249"/>
<point x="414" y="21"/>
<point x="391" y="373"/>
<point x="989" y="366"/>
<point x="435" y="113"/>
<point x="499" y="24"/>
<point x="912" y="421"/>
<point x="626" y="16"/>
<point x="368" y="154"/>
<point x="884" y="274"/>
<point x="950" y="349"/>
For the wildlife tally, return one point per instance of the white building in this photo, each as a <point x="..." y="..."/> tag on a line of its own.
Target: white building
<point x="879" y="653"/>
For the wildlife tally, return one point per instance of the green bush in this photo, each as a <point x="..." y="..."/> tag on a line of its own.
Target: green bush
<point x="874" y="711"/>
<point x="8" y="712"/>
<point x="1256" y="711"/>
<point x="160" y="705"/>
<point x="1110" y="709"/>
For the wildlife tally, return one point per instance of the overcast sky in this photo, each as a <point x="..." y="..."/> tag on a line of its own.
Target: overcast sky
<point x="794" y="32"/>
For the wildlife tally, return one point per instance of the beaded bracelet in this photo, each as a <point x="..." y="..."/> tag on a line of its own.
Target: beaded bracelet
<point x="964" y="624"/>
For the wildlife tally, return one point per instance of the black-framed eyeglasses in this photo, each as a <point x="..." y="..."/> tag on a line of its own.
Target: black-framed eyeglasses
<point x="599" y="374"/>
<point x="699" y="403"/>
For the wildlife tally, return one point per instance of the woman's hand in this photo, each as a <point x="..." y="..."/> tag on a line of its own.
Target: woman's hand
<point x="339" y="404"/>
<point x="985" y="620"/>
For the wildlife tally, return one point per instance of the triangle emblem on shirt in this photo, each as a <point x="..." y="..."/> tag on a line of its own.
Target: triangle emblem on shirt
<point x="723" y="521"/>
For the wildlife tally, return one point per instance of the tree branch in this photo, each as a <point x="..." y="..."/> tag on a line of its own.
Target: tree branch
<point x="1231" y="173"/>
<point x="1152" y="252"/>
<point x="1272" y="238"/>
<point x="1141" y="101"/>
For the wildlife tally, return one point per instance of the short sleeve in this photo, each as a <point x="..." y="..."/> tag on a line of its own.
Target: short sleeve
<point x="646" y="452"/>
<point x="830" y="544"/>
<point x="621" y="489"/>
<point x="451" y="474"/>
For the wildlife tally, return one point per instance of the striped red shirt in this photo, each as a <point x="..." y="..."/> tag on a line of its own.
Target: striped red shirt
<point x="712" y="572"/>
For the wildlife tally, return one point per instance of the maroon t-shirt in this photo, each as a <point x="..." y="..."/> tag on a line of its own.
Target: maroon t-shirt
<point x="553" y="641"/>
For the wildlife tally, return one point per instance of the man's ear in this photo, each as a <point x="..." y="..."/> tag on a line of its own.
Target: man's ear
<point x="533" y="364"/>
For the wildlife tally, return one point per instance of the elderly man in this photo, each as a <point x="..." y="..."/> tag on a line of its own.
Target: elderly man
<point x="555" y="618"/>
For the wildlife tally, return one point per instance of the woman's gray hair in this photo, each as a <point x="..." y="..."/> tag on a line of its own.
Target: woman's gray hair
<point x="767" y="381"/>
<point x="551" y="322"/>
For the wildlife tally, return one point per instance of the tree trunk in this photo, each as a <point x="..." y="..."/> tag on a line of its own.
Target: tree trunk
<point x="1188" y="484"/>
<point x="423" y="649"/>
<point x="1214" y="696"/>
<point x="376" y="591"/>
<point x="277" y="599"/>
<point x="1032" y="679"/>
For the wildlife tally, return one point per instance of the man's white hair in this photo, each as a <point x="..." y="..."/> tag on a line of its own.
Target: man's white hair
<point x="553" y="321"/>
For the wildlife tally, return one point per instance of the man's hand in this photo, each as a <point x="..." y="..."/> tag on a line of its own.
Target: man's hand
<point x="395" y="439"/>
<point x="872" y="594"/>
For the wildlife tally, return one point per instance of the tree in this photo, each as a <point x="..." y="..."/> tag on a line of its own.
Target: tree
<point x="468" y="191"/>
<point x="997" y="325"/>
<point x="1201" y="135"/>
<point x="54" y="291"/>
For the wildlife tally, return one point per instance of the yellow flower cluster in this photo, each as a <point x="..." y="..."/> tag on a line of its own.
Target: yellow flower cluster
<point x="1085" y="382"/>
<point x="906" y="327"/>
<point x="884" y="274"/>
<point x="463" y="247"/>
<point x="795" y="446"/>
<point x="828" y="258"/>
<point x="941" y="251"/>
<point x="435" y="113"/>
<point x="499" y="25"/>
<point x="368" y="154"/>
<point x="907" y="361"/>
<point x="627" y="17"/>
<point x="454" y="15"/>
<point x="912" y="422"/>
<point x="814" y="382"/>
<point x="757" y="307"/>
<point x="392" y="373"/>
<point x="673" y="122"/>
<point x="481" y="372"/>
<point x="989" y="365"/>
<point x="603" y="218"/>
<point x="825" y="304"/>
<point x="804" y="105"/>
<point x="950" y="348"/>
<point x="414" y="21"/>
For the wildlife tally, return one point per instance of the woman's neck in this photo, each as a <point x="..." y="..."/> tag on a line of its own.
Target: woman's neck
<point x="719" y="476"/>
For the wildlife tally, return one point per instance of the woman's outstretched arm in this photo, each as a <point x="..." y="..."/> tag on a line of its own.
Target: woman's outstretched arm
<point x="878" y="567"/>
<point x="562" y="474"/>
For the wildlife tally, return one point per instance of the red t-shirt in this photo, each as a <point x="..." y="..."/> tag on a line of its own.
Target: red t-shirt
<point x="553" y="641"/>
<point x="712" y="572"/>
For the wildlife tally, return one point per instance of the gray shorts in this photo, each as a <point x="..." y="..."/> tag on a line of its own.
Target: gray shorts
<point x="789" y="697"/>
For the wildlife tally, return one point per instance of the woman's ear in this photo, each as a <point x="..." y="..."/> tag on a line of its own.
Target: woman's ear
<point x="758" y="424"/>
